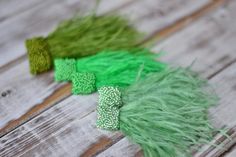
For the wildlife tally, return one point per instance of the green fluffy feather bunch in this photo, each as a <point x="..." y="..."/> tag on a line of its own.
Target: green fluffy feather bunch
<point x="82" y="36"/>
<point x="110" y="68"/>
<point x="166" y="113"/>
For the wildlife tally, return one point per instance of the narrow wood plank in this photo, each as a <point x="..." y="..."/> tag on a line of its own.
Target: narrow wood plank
<point x="43" y="22"/>
<point x="41" y="105"/>
<point x="122" y="148"/>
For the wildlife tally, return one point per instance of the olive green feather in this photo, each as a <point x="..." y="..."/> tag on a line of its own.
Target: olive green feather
<point x="80" y="37"/>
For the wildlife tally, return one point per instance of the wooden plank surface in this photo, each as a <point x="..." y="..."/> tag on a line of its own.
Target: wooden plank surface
<point x="46" y="98"/>
<point x="68" y="128"/>
<point x="64" y="123"/>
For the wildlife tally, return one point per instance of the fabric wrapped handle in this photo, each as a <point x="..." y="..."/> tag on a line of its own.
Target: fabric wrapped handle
<point x="108" y="108"/>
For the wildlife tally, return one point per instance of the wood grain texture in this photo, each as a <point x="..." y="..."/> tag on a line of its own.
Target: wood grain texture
<point x="83" y="138"/>
<point x="67" y="129"/>
<point x="158" y="14"/>
<point x="36" y="107"/>
<point x="9" y="8"/>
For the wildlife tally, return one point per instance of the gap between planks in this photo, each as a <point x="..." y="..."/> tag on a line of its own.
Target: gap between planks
<point x="64" y="91"/>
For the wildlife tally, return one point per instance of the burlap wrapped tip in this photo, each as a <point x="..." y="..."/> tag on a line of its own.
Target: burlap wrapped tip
<point x="64" y="68"/>
<point x="83" y="83"/>
<point x="39" y="55"/>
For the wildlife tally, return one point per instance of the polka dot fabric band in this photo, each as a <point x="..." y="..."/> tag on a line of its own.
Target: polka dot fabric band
<point x="64" y="68"/>
<point x="108" y="108"/>
<point x="38" y="53"/>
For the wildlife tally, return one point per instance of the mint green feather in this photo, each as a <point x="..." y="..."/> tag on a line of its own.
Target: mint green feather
<point x="167" y="113"/>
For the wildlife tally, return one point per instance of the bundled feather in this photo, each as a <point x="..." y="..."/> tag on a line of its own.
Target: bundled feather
<point x="107" y="68"/>
<point x="79" y="37"/>
<point x="165" y="113"/>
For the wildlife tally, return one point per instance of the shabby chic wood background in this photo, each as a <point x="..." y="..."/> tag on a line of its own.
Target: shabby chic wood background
<point x="40" y="118"/>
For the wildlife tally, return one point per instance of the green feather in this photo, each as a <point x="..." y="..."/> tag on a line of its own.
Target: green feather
<point x="82" y="36"/>
<point x="166" y="113"/>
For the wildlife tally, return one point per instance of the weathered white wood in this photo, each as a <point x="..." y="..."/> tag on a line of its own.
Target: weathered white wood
<point x="22" y="69"/>
<point x="40" y="20"/>
<point x="54" y="143"/>
<point x="10" y="8"/>
<point x="209" y="42"/>
<point x="122" y="148"/>
<point x="63" y="126"/>
<point x="17" y="96"/>
<point x="232" y="154"/>
<point x="224" y="114"/>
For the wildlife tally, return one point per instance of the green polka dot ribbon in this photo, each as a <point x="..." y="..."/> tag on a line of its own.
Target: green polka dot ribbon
<point x="39" y="56"/>
<point x="108" y="108"/>
<point x="64" y="68"/>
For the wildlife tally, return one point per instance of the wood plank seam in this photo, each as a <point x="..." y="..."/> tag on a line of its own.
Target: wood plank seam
<point x="220" y="70"/>
<point x="222" y="139"/>
<point x="233" y="147"/>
